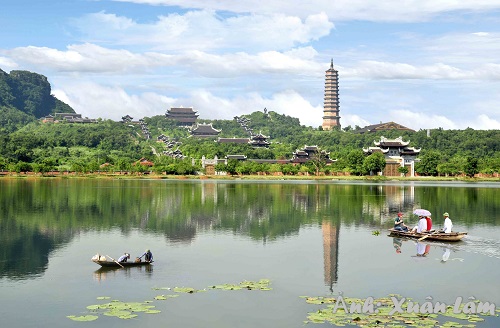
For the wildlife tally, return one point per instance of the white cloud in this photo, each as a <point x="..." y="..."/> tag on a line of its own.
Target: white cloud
<point x="473" y="48"/>
<point x="93" y="58"/>
<point x="402" y="71"/>
<point x="205" y="30"/>
<point x="7" y="64"/>
<point x="389" y="10"/>
<point x="97" y="101"/>
<point x="417" y="120"/>
<point x="353" y="120"/>
<point x="285" y="103"/>
<point x="483" y="122"/>
<point x="93" y="100"/>
<point x="87" y="58"/>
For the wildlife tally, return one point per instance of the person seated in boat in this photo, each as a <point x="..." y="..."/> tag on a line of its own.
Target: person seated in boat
<point x="447" y="223"/>
<point x="429" y="222"/>
<point x="148" y="256"/>
<point x="422" y="225"/>
<point x="124" y="258"/>
<point x="399" y="224"/>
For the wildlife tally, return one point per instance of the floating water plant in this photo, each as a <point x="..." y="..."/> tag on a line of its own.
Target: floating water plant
<point x="262" y="284"/>
<point x="395" y="312"/>
<point x="376" y="233"/>
<point x="129" y="310"/>
<point x="83" y="317"/>
<point x="164" y="297"/>
<point x="115" y="308"/>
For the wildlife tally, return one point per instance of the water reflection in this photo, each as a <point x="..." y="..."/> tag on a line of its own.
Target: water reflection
<point x="446" y="254"/>
<point x="397" y="243"/>
<point x="423" y="249"/>
<point x="104" y="273"/>
<point x="330" y="252"/>
<point x="40" y="216"/>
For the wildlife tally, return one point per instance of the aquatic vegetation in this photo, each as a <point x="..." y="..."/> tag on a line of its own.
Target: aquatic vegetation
<point x="116" y="308"/>
<point x="83" y="317"/>
<point x="262" y="284"/>
<point x="164" y="297"/>
<point x="129" y="310"/>
<point x="344" y="311"/>
<point x="376" y="233"/>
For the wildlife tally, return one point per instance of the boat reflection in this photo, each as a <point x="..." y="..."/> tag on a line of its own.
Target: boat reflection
<point x="104" y="273"/>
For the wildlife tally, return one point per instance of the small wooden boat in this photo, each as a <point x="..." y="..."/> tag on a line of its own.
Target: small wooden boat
<point x="112" y="264"/>
<point x="436" y="236"/>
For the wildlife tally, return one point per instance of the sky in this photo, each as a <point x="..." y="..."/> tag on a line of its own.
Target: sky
<point x="421" y="63"/>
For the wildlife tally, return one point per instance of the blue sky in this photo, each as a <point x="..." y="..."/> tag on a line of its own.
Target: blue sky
<point x="421" y="63"/>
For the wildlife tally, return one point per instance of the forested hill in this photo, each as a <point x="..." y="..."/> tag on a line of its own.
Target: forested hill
<point x="26" y="96"/>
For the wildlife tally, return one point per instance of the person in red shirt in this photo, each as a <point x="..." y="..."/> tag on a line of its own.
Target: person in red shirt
<point x="429" y="223"/>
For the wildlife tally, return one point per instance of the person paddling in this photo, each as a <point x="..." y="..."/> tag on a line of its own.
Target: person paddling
<point x="148" y="256"/>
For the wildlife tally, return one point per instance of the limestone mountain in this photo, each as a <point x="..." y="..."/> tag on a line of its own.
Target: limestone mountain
<point x="29" y="93"/>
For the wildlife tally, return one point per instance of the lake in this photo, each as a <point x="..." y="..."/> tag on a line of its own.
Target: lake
<point x="321" y="239"/>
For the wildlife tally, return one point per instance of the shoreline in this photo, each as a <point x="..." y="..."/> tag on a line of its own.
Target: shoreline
<point x="152" y="176"/>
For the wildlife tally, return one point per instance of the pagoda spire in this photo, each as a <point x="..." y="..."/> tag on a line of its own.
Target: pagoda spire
<point x="331" y="110"/>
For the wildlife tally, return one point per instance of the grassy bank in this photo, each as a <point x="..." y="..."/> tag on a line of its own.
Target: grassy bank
<point x="239" y="177"/>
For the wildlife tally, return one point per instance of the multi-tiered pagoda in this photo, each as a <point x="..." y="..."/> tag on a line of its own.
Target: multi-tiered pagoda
<point x="331" y="109"/>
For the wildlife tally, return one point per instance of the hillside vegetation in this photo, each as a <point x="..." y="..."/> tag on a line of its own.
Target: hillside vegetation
<point x="26" y="144"/>
<point x="24" y="97"/>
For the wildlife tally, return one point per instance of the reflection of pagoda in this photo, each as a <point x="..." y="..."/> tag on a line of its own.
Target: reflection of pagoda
<point x="330" y="252"/>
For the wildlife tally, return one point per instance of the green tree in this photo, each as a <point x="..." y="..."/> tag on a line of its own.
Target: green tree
<point x="318" y="160"/>
<point x="374" y="162"/>
<point x="471" y="166"/>
<point x="403" y="170"/>
<point x="355" y="160"/>
<point x="428" y="163"/>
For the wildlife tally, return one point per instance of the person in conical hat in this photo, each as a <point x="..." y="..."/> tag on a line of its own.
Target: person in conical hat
<point x="448" y="225"/>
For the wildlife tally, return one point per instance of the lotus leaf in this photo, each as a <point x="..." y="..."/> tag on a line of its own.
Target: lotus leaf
<point x="83" y="317"/>
<point x="187" y="290"/>
<point x="152" y="311"/>
<point x="381" y="317"/>
<point x="117" y="313"/>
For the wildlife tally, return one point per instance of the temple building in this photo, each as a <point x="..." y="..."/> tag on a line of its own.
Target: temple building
<point x="331" y="109"/>
<point x="259" y="140"/>
<point x="307" y="153"/>
<point x="397" y="154"/>
<point x="383" y="127"/>
<point x="185" y="116"/>
<point x="256" y="141"/>
<point x="204" y="131"/>
<point x="67" y="117"/>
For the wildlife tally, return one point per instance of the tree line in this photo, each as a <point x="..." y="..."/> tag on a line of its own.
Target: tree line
<point x="116" y="146"/>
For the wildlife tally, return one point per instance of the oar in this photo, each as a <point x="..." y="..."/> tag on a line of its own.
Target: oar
<point x="420" y="239"/>
<point x="116" y="261"/>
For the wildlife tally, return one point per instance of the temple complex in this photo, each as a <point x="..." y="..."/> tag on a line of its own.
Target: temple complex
<point x="204" y="131"/>
<point x="331" y="109"/>
<point x="397" y="154"/>
<point x="185" y="116"/>
<point x="307" y="153"/>
<point x="259" y="140"/>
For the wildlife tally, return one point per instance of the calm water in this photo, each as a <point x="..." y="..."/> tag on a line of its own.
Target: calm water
<point x="308" y="238"/>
